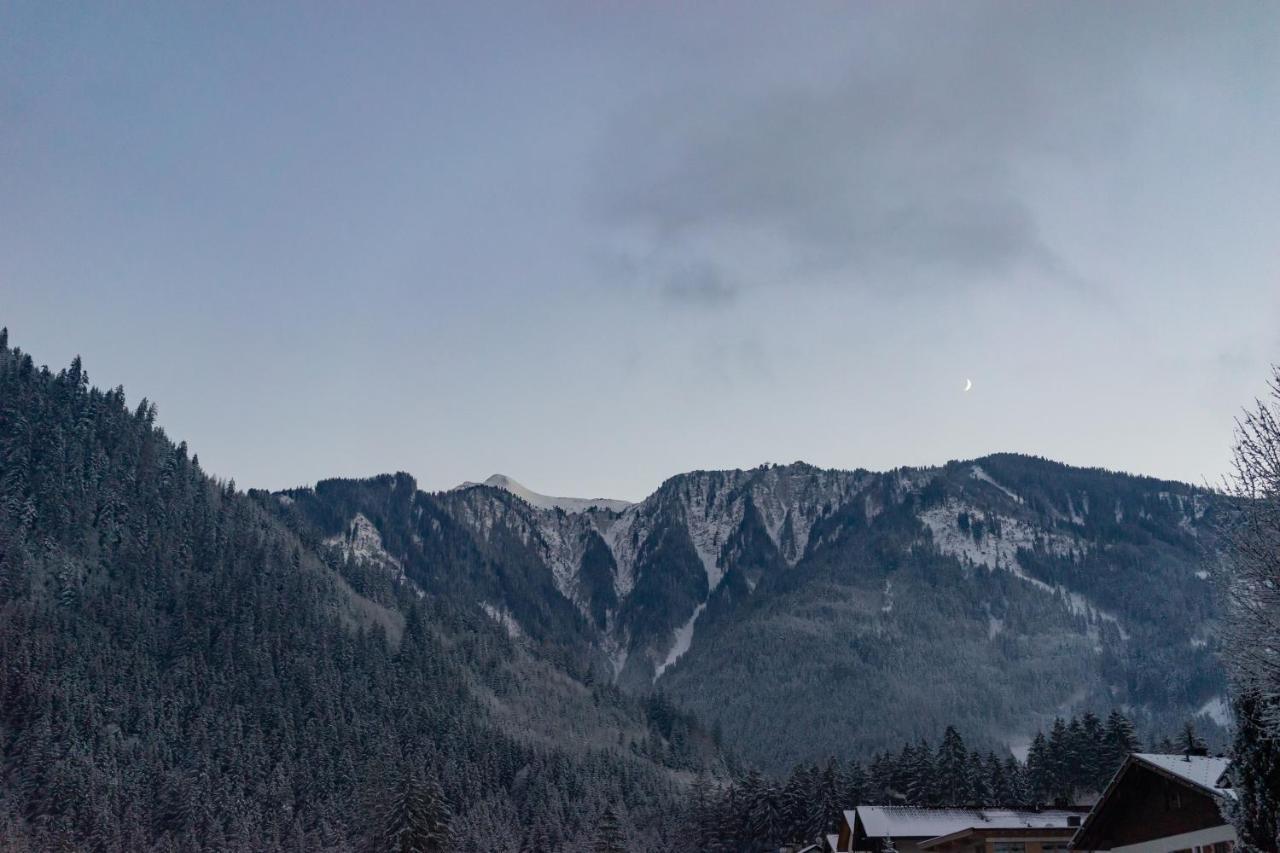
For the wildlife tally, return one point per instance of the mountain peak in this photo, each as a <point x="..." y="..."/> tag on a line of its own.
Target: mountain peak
<point x="541" y="501"/>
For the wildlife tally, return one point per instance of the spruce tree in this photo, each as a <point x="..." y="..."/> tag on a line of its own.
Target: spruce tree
<point x="922" y="780"/>
<point x="951" y="770"/>
<point x="1121" y="740"/>
<point x="1094" y="763"/>
<point x="796" y="797"/>
<point x="609" y="834"/>
<point x="1061" y="761"/>
<point x="1255" y="776"/>
<point x="416" y="819"/>
<point x="1189" y="741"/>
<point x="1040" y="777"/>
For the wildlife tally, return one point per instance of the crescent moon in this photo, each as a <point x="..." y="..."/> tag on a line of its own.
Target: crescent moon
<point x="968" y="384"/>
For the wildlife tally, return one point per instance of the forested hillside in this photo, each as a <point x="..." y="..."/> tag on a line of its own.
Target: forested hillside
<point x="992" y="595"/>
<point x="181" y="670"/>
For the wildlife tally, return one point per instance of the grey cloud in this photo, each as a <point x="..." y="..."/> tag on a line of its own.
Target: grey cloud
<point x="700" y="285"/>
<point x="918" y="166"/>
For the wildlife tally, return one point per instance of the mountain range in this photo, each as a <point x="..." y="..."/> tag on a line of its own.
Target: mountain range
<point x="800" y="610"/>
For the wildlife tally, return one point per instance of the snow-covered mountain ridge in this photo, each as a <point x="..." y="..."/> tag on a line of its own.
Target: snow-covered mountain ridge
<point x="1023" y="561"/>
<point x="541" y="501"/>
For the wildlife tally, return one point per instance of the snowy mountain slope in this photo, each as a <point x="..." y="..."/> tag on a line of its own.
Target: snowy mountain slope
<point x="1051" y="586"/>
<point x="541" y="501"/>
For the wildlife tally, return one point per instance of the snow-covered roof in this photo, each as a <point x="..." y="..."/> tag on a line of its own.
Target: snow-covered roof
<point x="911" y="822"/>
<point x="1199" y="770"/>
<point x="833" y="841"/>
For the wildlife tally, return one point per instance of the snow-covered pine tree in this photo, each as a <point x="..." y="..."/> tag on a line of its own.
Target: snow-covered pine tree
<point x="416" y="819"/>
<point x="1255" y="773"/>
<point x="828" y="797"/>
<point x="764" y="817"/>
<point x="1251" y="583"/>
<point x="1040" y="781"/>
<point x="1120" y="739"/>
<point x="951" y="770"/>
<point x="1189" y="741"/>
<point x="921" y="776"/>
<point x="855" y="785"/>
<point x="1019" y="793"/>
<point x="796" y="797"/>
<point x="1095" y="769"/>
<point x="1063" y="758"/>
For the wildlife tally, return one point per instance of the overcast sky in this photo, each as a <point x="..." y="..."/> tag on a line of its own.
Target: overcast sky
<point x="592" y="245"/>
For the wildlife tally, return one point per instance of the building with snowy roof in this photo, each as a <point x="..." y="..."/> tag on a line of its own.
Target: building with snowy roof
<point x="1160" y="803"/>
<point x="906" y="829"/>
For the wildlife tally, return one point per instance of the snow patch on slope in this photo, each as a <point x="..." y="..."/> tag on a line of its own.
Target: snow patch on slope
<point x="616" y="649"/>
<point x="503" y="617"/>
<point x="711" y="520"/>
<point x="683" y="640"/>
<point x="622" y="538"/>
<point x="979" y="474"/>
<point x="799" y="496"/>
<point x="992" y="551"/>
<point x="1001" y="552"/>
<point x="362" y="542"/>
<point x="1217" y="710"/>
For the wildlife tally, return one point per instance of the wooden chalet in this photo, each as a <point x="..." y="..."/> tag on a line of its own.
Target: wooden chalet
<point x="1162" y="804"/>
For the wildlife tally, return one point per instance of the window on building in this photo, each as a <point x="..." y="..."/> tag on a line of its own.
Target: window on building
<point x="1009" y="847"/>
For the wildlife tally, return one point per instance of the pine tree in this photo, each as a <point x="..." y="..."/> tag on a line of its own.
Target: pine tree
<point x="827" y="803"/>
<point x="995" y="787"/>
<point x="609" y="834"/>
<point x="922" y="782"/>
<point x="951" y="767"/>
<point x="703" y="816"/>
<point x="1121" y="741"/>
<point x="1189" y="741"/>
<point x="1255" y="775"/>
<point x="1040" y="777"/>
<point x="765" y="817"/>
<point x="1075" y="761"/>
<point x="416" y="819"/>
<point x="1019" y="790"/>
<point x="855" y="785"/>
<point x="796" y="798"/>
<point x="1093" y="770"/>
<point x="1062" y="760"/>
